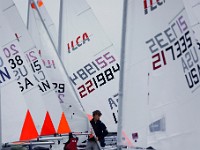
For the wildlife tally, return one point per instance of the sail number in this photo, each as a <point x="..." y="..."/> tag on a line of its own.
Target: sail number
<point x="60" y="90"/>
<point x="16" y="61"/>
<point x="95" y="74"/>
<point x="176" y="50"/>
<point x="97" y="81"/>
<point x="170" y="44"/>
<point x="36" y="66"/>
<point x="93" y="67"/>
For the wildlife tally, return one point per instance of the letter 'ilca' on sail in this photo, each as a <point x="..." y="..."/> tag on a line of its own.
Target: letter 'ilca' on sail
<point x="90" y="59"/>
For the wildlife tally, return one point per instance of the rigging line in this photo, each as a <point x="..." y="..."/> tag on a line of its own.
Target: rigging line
<point x="195" y="89"/>
<point x="11" y="41"/>
<point x="177" y="15"/>
<point x="121" y="83"/>
<point x="104" y="49"/>
<point x="196" y="4"/>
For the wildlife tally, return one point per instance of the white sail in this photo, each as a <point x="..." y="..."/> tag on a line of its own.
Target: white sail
<point x="0" y="118"/>
<point x="192" y="8"/>
<point x="134" y="84"/>
<point x="23" y="74"/>
<point x="90" y="59"/>
<point x="50" y="26"/>
<point x="160" y="94"/>
<point x="15" y="115"/>
<point x="13" y="109"/>
<point x="77" y="119"/>
<point x="54" y="119"/>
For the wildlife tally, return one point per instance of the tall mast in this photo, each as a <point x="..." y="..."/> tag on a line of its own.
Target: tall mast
<point x="60" y="28"/>
<point x="0" y="121"/>
<point x="29" y="3"/>
<point x="121" y="81"/>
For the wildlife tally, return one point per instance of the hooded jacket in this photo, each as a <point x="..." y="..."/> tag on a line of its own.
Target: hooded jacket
<point x="100" y="131"/>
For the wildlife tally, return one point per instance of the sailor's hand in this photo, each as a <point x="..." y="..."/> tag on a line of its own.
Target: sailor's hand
<point x="91" y="132"/>
<point x="91" y="136"/>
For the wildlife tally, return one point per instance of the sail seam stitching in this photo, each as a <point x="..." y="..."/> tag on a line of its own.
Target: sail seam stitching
<point x="177" y="15"/>
<point x="83" y="11"/>
<point x="9" y="7"/>
<point x="104" y="49"/>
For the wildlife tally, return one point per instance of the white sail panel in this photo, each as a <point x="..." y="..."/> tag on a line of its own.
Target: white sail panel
<point x="49" y="96"/>
<point x="175" y="108"/>
<point x="161" y="78"/>
<point x="90" y="59"/>
<point x="135" y="83"/>
<point x="77" y="119"/>
<point x="192" y="8"/>
<point x="23" y="74"/>
<point x="13" y="107"/>
<point x="50" y="26"/>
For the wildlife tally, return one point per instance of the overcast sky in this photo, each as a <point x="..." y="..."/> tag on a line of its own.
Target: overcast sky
<point x="108" y="12"/>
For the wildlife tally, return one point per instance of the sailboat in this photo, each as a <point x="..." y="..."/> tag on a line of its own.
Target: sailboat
<point x="159" y="80"/>
<point x="37" y="27"/>
<point x="16" y="120"/>
<point x="23" y="74"/>
<point x="55" y="120"/>
<point x="90" y="59"/>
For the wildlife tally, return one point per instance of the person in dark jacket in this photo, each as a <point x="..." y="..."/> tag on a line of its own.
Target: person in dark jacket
<point x="100" y="131"/>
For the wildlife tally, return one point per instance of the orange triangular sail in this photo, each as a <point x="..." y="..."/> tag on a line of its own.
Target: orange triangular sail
<point x="63" y="126"/>
<point x="48" y="127"/>
<point x="29" y="130"/>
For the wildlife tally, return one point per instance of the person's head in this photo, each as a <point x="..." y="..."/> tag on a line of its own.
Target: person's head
<point x="96" y="115"/>
<point x="70" y="135"/>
